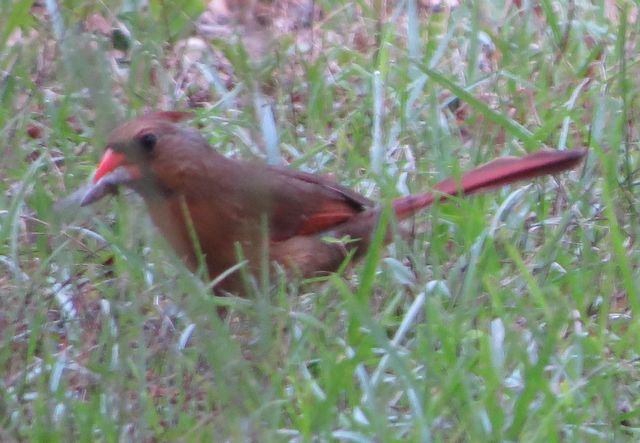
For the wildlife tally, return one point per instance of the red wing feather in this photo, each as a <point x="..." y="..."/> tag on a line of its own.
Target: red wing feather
<point x="308" y="204"/>
<point x="331" y="213"/>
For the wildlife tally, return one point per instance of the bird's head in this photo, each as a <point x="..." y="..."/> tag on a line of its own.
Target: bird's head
<point x="145" y="153"/>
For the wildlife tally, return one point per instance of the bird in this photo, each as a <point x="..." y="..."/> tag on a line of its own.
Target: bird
<point x="223" y="210"/>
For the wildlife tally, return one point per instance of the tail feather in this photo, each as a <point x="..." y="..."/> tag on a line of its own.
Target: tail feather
<point x="496" y="173"/>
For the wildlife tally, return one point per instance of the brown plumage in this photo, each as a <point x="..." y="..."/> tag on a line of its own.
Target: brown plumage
<point x="191" y="189"/>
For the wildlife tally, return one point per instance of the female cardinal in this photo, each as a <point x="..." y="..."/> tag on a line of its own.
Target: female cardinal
<point x="204" y="202"/>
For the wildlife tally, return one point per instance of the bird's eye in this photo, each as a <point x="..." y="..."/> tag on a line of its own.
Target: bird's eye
<point x="148" y="141"/>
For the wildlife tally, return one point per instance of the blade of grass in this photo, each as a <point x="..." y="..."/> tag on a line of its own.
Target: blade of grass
<point x="509" y="125"/>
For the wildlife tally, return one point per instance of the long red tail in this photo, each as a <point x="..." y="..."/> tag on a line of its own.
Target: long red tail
<point x="496" y="173"/>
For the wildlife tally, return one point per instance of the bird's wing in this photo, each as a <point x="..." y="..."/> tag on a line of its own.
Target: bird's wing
<point x="307" y="204"/>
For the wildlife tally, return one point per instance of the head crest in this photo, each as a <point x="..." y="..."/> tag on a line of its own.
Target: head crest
<point x="170" y="116"/>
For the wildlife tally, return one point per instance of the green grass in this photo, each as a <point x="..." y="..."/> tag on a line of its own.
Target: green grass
<point x="507" y="317"/>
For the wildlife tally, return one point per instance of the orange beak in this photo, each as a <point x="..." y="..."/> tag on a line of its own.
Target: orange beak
<point x="110" y="161"/>
<point x="113" y="171"/>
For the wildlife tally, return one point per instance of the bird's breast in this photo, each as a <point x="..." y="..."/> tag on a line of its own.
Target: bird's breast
<point x="191" y="226"/>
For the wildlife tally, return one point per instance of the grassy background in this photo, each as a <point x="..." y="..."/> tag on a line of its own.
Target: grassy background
<point x="509" y="316"/>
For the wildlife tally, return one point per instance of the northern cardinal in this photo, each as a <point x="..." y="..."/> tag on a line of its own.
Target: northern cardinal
<point x="201" y="200"/>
